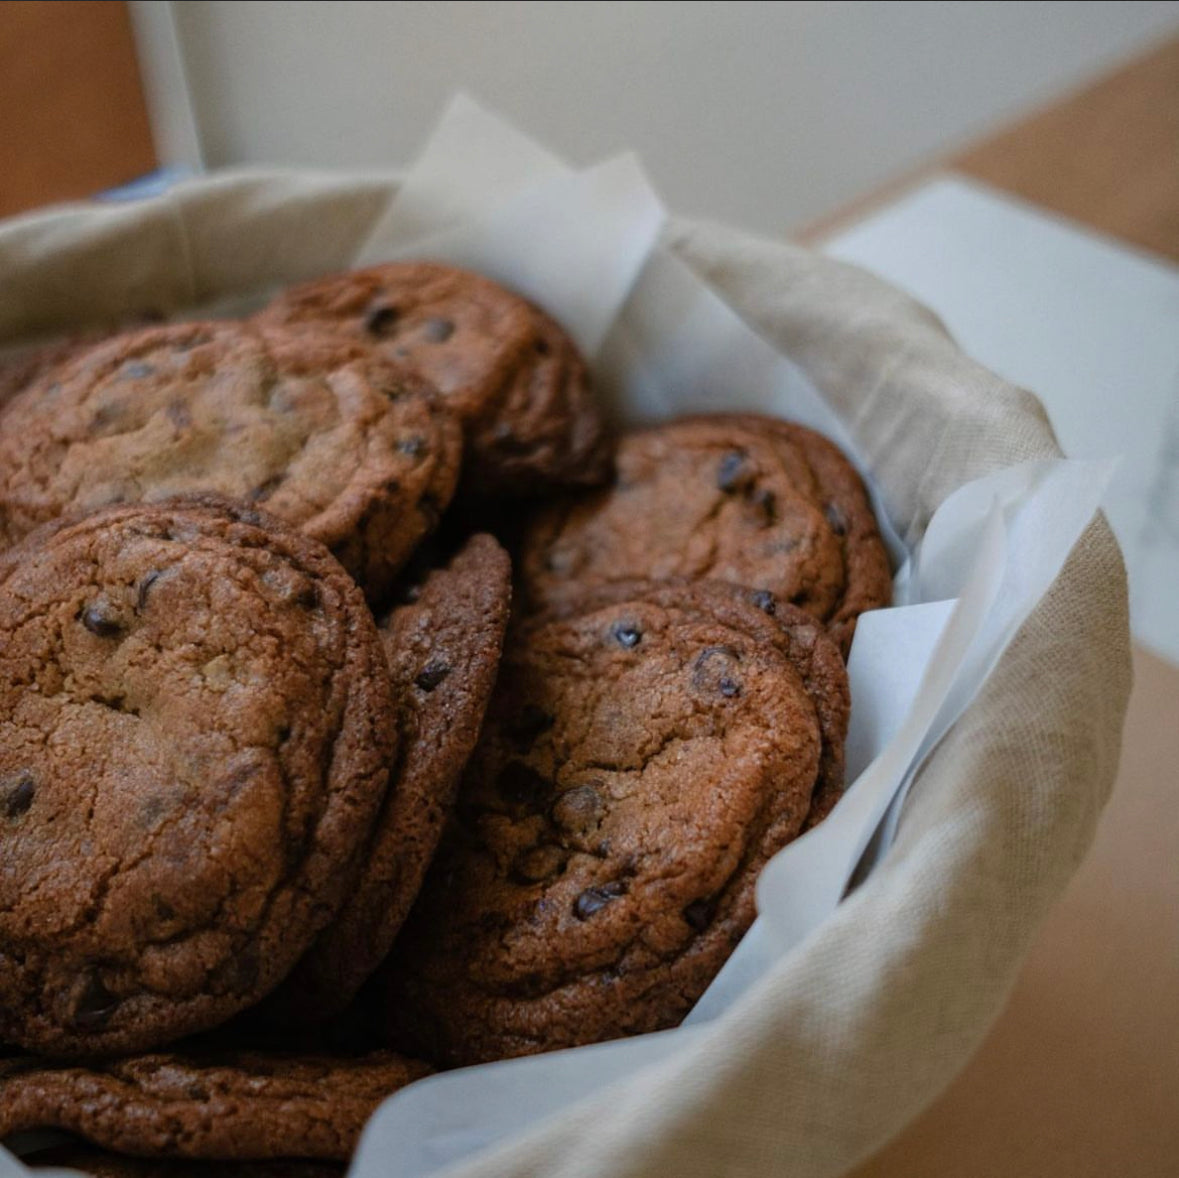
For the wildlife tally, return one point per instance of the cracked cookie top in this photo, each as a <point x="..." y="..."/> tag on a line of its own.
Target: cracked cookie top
<point x="639" y="763"/>
<point x="196" y="725"/>
<point x="737" y="498"/>
<point x="327" y="436"/>
<point x="240" y="1105"/>
<point x="444" y="646"/>
<point x="505" y="367"/>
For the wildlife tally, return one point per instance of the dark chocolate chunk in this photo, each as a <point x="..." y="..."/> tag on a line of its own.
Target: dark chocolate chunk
<point x="698" y="914"/>
<point x="101" y="620"/>
<point x="16" y="794"/>
<point x="594" y="899"/>
<point x="732" y="472"/>
<point x="765" y="601"/>
<point x="626" y="634"/>
<point x="380" y="318"/>
<point x="432" y="674"/>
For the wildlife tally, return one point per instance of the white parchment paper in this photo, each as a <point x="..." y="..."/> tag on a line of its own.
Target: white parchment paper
<point x="584" y="244"/>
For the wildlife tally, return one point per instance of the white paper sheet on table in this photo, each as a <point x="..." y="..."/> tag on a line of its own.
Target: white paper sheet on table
<point x="584" y="245"/>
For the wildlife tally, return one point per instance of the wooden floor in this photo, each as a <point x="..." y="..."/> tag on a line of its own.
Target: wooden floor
<point x="72" y="114"/>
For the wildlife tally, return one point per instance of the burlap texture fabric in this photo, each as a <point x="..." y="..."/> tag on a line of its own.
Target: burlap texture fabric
<point x="862" y="1025"/>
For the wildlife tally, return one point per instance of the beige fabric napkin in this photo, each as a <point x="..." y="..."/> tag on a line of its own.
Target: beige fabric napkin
<point x="865" y="1022"/>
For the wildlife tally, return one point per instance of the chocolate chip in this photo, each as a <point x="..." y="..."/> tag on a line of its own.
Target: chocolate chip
<point x="308" y="597"/>
<point x="579" y="810"/>
<point x="94" y="1005"/>
<point x="835" y="518"/>
<point x="542" y="346"/>
<point x="437" y="330"/>
<point x="710" y="671"/>
<point x="145" y="588"/>
<point x="626" y="634"/>
<point x="521" y="785"/>
<point x="101" y="620"/>
<point x="380" y="318"/>
<point x="537" y="864"/>
<point x="432" y="674"/>
<point x="526" y="726"/>
<point x="699" y="914"/>
<point x="594" y="899"/>
<point x="414" y="446"/>
<point x="732" y="473"/>
<point x="765" y="601"/>
<point x="16" y="794"/>
<point x="135" y="370"/>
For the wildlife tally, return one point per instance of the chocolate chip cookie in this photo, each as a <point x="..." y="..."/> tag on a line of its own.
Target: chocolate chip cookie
<point x="18" y="370"/>
<point x="504" y="366"/>
<point x="731" y="498"/>
<point x="639" y="763"/>
<point x="241" y="1105"/>
<point x="101" y="1164"/>
<point x="806" y="643"/>
<point x="196" y="728"/>
<point x="444" y="649"/>
<point x="327" y="436"/>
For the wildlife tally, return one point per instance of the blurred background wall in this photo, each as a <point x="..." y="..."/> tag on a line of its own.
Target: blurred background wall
<point x="762" y="115"/>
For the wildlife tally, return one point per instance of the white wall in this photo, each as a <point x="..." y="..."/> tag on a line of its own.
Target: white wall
<point x="762" y="115"/>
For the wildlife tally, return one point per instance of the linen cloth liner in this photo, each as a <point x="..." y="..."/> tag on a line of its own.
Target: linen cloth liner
<point x="862" y="1025"/>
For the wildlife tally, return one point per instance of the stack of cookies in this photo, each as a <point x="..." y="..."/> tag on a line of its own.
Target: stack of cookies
<point x="307" y="786"/>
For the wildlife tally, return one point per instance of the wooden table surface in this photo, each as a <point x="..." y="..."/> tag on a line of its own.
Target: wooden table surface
<point x="1080" y="1076"/>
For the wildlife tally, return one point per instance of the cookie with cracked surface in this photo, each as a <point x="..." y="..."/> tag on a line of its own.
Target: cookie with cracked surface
<point x="101" y="1164"/>
<point x="847" y="508"/>
<point x="345" y="446"/>
<point x="508" y="370"/>
<point x="236" y="1106"/>
<point x="638" y="765"/>
<point x="731" y="498"/>
<point x="196" y="725"/>
<point x="20" y="369"/>
<point x="807" y="644"/>
<point x="443" y="647"/>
